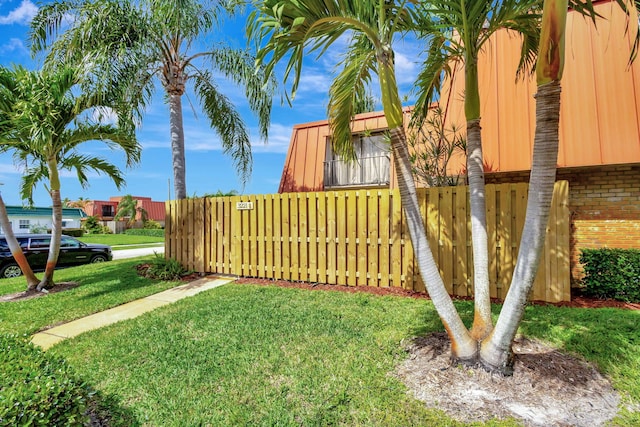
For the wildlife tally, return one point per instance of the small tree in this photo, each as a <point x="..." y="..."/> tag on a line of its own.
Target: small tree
<point x="432" y="147"/>
<point x="46" y="116"/>
<point x="92" y="225"/>
<point x="128" y="210"/>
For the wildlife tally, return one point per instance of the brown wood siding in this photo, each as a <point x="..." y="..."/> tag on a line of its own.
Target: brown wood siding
<point x="600" y="112"/>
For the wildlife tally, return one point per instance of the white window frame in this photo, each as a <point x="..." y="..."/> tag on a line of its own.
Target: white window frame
<point x="370" y="169"/>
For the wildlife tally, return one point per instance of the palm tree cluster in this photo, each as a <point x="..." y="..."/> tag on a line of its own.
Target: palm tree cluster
<point x="454" y="32"/>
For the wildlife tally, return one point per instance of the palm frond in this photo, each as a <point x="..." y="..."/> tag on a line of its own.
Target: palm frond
<point x="358" y="64"/>
<point x="83" y="163"/>
<point x="239" y="67"/>
<point x="227" y="122"/>
<point x="30" y="179"/>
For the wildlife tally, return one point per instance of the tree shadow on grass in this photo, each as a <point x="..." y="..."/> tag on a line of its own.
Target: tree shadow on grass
<point x="107" y="410"/>
<point x="605" y="336"/>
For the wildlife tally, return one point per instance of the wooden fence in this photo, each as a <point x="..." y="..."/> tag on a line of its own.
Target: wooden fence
<point x="359" y="238"/>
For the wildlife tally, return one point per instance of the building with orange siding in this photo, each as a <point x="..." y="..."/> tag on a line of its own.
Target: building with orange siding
<point x="599" y="152"/>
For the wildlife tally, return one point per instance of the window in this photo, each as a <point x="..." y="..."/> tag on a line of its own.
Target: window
<point x="39" y="243"/>
<point x="67" y="242"/>
<point x="370" y="168"/>
<point x="24" y="224"/>
<point x="107" y="210"/>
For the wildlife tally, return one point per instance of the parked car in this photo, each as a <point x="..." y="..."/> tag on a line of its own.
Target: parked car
<point x="36" y="249"/>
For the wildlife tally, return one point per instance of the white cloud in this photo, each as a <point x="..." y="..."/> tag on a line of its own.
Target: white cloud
<point x="10" y="169"/>
<point x="105" y="116"/>
<point x="279" y="137"/>
<point x="22" y="15"/>
<point x="406" y="69"/>
<point x="315" y="81"/>
<point x="14" y="45"/>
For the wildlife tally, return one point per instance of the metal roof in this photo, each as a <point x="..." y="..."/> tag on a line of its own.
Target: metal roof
<point x="71" y="213"/>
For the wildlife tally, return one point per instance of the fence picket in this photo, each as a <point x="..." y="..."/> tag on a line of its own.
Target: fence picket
<point x="360" y="238"/>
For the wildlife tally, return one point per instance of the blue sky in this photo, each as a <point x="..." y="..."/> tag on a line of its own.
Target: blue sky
<point x="208" y="169"/>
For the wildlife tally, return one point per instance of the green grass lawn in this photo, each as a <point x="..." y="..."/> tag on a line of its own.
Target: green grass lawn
<point x="102" y="286"/>
<point x="255" y="355"/>
<point x="120" y="239"/>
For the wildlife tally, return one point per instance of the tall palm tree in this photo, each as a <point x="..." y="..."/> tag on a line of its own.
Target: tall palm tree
<point x="139" y="43"/>
<point x="495" y="352"/>
<point x="49" y="121"/>
<point x="456" y="31"/>
<point x="287" y="28"/>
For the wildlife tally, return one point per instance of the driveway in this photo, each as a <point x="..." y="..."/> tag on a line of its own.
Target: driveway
<point x="132" y="253"/>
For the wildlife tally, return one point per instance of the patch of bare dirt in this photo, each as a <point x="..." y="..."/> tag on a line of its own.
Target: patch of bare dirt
<point x="548" y="388"/>
<point x="25" y="295"/>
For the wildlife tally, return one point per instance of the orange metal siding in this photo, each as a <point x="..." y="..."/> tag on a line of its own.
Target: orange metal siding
<point x="600" y="105"/>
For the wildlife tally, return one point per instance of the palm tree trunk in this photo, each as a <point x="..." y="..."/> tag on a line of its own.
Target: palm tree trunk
<point x="482" y="323"/>
<point x="496" y="353"/>
<point x="463" y="348"/>
<point x="56" y="226"/>
<point x="16" y="250"/>
<point x="177" y="146"/>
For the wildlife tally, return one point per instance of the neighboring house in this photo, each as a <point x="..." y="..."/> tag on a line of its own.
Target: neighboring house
<point x="107" y="210"/>
<point x="599" y="132"/>
<point x="23" y="220"/>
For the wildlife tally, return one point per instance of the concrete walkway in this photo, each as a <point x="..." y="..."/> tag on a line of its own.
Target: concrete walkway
<point x="46" y="339"/>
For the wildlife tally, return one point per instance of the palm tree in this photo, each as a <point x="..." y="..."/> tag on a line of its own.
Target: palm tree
<point x="456" y="31"/>
<point x="128" y="208"/>
<point x="140" y="43"/>
<point x="287" y="28"/>
<point x="49" y="120"/>
<point x="81" y="203"/>
<point x="495" y="352"/>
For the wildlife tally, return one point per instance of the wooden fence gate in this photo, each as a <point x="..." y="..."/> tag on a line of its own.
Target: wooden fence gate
<point x="359" y="238"/>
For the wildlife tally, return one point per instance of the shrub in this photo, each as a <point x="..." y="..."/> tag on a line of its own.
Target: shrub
<point x="151" y="225"/>
<point x="145" y="232"/>
<point x="612" y="273"/>
<point x="164" y="269"/>
<point x="37" y="229"/>
<point x="37" y="388"/>
<point x="92" y="225"/>
<point x="74" y="232"/>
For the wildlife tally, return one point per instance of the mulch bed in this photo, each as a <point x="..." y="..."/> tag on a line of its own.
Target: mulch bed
<point x="577" y="300"/>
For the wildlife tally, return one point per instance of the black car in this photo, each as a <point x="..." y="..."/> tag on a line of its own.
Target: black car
<point x="36" y="249"/>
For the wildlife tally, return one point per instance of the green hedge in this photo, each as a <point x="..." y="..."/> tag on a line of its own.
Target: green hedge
<point x="612" y="273"/>
<point x="37" y="388"/>
<point x="74" y="232"/>
<point x="144" y="232"/>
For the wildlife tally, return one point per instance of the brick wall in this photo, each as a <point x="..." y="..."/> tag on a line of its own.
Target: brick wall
<point x="605" y="207"/>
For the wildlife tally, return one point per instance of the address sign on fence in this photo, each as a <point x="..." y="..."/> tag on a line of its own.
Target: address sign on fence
<point x="244" y="206"/>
